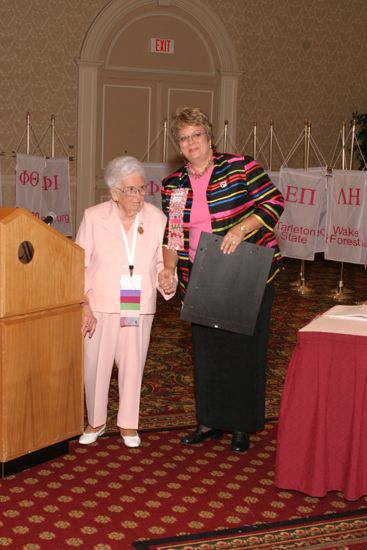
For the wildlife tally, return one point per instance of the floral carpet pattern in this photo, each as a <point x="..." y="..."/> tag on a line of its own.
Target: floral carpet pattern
<point x="105" y="496"/>
<point x="167" y="394"/>
<point x="164" y="495"/>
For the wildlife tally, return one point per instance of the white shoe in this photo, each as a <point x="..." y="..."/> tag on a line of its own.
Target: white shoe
<point x="91" y="437"/>
<point x="131" y="440"/>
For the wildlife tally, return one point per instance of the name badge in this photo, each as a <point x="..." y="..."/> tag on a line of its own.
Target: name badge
<point x="130" y="295"/>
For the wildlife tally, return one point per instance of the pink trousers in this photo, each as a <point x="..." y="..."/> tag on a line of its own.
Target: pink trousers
<point x="128" y="348"/>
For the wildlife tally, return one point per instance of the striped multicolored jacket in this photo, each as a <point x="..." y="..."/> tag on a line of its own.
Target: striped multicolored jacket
<point x="238" y="188"/>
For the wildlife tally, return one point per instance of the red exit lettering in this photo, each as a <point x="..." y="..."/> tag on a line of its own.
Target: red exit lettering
<point x="161" y="45"/>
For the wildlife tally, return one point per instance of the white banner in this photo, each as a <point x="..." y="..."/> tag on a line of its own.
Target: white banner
<point x="28" y="183"/>
<point x="346" y="220"/>
<point x="156" y="172"/>
<point x="275" y="177"/>
<point x="43" y="186"/>
<point x="57" y="190"/>
<point x="299" y="233"/>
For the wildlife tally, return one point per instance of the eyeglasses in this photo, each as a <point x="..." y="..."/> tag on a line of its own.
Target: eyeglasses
<point x="194" y="136"/>
<point x="131" y="191"/>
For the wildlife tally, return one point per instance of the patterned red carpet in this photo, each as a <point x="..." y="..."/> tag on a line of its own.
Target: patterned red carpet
<point x="164" y="495"/>
<point x="106" y="496"/>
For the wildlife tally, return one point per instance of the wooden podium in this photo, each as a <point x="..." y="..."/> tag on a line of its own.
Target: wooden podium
<point x="41" y="376"/>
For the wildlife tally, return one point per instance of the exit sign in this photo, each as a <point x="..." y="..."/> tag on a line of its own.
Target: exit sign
<point x="162" y="45"/>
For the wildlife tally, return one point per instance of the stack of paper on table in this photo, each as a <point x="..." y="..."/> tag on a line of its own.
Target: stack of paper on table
<point x="354" y="313"/>
<point x="341" y="319"/>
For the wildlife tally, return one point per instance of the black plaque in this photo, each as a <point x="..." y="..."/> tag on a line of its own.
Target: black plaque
<point x="225" y="290"/>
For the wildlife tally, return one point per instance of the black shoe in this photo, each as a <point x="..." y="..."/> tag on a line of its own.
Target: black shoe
<point x="199" y="435"/>
<point x="240" y="442"/>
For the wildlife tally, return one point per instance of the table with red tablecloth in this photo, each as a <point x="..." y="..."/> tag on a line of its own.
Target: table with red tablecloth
<point x="322" y="432"/>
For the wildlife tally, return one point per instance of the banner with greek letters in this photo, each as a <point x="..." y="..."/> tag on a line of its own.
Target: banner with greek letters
<point x="298" y="231"/>
<point x="28" y="184"/>
<point x="346" y="224"/>
<point x="43" y="187"/>
<point x="155" y="173"/>
<point x="57" y="190"/>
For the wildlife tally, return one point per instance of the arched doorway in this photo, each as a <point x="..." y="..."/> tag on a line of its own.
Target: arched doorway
<point x="127" y="88"/>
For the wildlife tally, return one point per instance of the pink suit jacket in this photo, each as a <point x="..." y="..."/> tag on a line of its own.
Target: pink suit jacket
<point x="100" y="236"/>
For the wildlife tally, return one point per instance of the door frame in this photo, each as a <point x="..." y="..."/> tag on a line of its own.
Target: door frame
<point x="92" y="58"/>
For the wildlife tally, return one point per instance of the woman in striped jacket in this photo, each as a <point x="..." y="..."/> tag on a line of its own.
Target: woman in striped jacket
<point x="231" y="196"/>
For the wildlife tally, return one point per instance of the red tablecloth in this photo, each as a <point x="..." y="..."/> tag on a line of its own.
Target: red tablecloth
<point x="322" y="433"/>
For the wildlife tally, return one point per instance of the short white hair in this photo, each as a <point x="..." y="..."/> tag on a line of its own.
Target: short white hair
<point x="121" y="167"/>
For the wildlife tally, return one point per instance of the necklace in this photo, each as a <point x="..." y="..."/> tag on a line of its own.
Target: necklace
<point x="198" y="173"/>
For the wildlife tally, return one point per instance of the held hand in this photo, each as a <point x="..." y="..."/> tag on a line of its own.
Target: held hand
<point x="166" y="280"/>
<point x="89" y="322"/>
<point x="232" y="239"/>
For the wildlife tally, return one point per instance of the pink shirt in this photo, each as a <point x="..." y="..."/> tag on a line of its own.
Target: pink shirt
<point x="200" y="216"/>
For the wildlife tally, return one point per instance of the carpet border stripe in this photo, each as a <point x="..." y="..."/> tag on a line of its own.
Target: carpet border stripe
<point x="247" y="529"/>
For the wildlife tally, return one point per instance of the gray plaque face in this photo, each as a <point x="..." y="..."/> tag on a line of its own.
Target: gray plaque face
<point x="225" y="290"/>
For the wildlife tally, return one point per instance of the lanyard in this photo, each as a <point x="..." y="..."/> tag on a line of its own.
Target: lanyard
<point x="131" y="251"/>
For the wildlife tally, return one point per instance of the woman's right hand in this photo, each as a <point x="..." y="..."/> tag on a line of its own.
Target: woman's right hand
<point x="167" y="281"/>
<point x="89" y="322"/>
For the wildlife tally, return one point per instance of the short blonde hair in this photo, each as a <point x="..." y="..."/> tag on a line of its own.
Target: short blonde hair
<point x="187" y="116"/>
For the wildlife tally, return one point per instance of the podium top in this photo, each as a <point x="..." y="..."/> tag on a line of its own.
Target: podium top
<point x="40" y="268"/>
<point x="5" y="212"/>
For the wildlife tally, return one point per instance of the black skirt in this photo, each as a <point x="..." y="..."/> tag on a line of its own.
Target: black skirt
<point x="230" y="374"/>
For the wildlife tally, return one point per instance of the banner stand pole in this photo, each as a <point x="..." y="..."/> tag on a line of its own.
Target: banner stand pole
<point x="302" y="288"/>
<point x="52" y="136"/>
<point x="28" y="123"/>
<point x="271" y="145"/>
<point x="255" y="140"/>
<point x="165" y="141"/>
<point x="225" y="136"/>
<point x="342" y="294"/>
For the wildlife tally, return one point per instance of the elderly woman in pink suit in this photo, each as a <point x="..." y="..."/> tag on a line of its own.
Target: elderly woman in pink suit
<point x="122" y="240"/>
